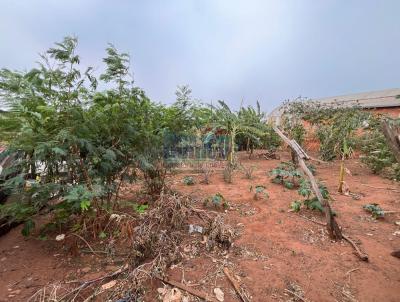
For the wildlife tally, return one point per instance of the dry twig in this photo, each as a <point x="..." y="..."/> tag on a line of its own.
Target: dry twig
<point x="235" y="285"/>
<point x="363" y="256"/>
<point x="296" y="295"/>
<point x="191" y="291"/>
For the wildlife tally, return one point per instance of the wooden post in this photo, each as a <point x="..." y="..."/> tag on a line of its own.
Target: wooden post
<point x="331" y="224"/>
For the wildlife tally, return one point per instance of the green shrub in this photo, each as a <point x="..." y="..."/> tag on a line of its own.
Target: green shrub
<point x="295" y="206"/>
<point x="287" y="175"/>
<point x="217" y="200"/>
<point x="259" y="190"/>
<point x="85" y="141"/>
<point x="310" y="201"/>
<point x="375" y="210"/>
<point x="376" y="152"/>
<point x="188" y="180"/>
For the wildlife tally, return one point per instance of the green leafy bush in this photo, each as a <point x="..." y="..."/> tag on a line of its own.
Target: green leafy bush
<point x="75" y="142"/>
<point x="295" y="206"/>
<point x="217" y="201"/>
<point x="188" y="180"/>
<point x="287" y="175"/>
<point x="376" y="152"/>
<point x="259" y="190"/>
<point x="310" y="202"/>
<point x="335" y="124"/>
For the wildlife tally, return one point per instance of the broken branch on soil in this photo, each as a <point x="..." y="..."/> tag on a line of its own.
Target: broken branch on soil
<point x="331" y="224"/>
<point x="381" y="188"/>
<point x="317" y="160"/>
<point x="194" y="292"/>
<point x="352" y="270"/>
<point x="95" y="280"/>
<point x="363" y="256"/>
<point x="235" y="285"/>
<point x="312" y="220"/>
<point x="87" y="243"/>
<point x="296" y="295"/>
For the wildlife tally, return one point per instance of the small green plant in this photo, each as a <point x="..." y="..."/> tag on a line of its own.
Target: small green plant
<point x="228" y="173"/>
<point x="313" y="204"/>
<point x="102" y="235"/>
<point x="287" y="175"/>
<point x="188" y="180"/>
<point x="141" y="208"/>
<point x="259" y="190"/>
<point x="295" y="206"/>
<point x="137" y="207"/>
<point x="29" y="225"/>
<point x="217" y="201"/>
<point x="310" y="202"/>
<point x="375" y="210"/>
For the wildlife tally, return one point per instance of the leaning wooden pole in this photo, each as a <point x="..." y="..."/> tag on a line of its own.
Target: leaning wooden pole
<point x="331" y="224"/>
<point x="392" y="135"/>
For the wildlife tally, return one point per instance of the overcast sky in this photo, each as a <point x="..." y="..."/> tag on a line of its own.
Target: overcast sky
<point x="224" y="49"/>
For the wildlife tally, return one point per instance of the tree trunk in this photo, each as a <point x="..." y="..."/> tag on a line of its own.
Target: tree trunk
<point x="341" y="176"/>
<point x="232" y="149"/>
<point x="331" y="224"/>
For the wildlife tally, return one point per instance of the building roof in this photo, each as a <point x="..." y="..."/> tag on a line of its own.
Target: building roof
<point x="375" y="99"/>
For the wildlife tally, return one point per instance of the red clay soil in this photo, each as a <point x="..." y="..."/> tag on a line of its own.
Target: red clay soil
<point x="277" y="250"/>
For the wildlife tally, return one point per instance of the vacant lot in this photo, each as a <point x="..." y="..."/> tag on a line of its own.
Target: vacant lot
<point x="276" y="254"/>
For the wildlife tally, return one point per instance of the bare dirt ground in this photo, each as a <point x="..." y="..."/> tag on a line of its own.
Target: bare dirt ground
<point x="276" y="252"/>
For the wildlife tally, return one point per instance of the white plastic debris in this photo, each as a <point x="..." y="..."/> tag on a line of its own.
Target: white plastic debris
<point x="174" y="295"/>
<point x="116" y="217"/>
<point x="195" y="229"/>
<point x="219" y="294"/>
<point x="60" y="237"/>
<point x="108" y="285"/>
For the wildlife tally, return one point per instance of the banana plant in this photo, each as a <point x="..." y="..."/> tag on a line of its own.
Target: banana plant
<point x="346" y="151"/>
<point x="232" y="124"/>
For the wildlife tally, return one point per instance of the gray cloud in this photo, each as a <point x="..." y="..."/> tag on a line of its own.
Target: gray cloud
<point x="232" y="50"/>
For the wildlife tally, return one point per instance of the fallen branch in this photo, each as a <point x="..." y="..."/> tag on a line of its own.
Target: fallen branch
<point x="296" y="295"/>
<point x="87" y="243"/>
<point x="363" y="256"/>
<point x="194" y="292"/>
<point x="312" y="220"/>
<point x="381" y="188"/>
<point x="317" y="160"/>
<point x="235" y="285"/>
<point x="331" y="224"/>
<point x="352" y="270"/>
<point x="90" y="282"/>
<point x="391" y="212"/>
